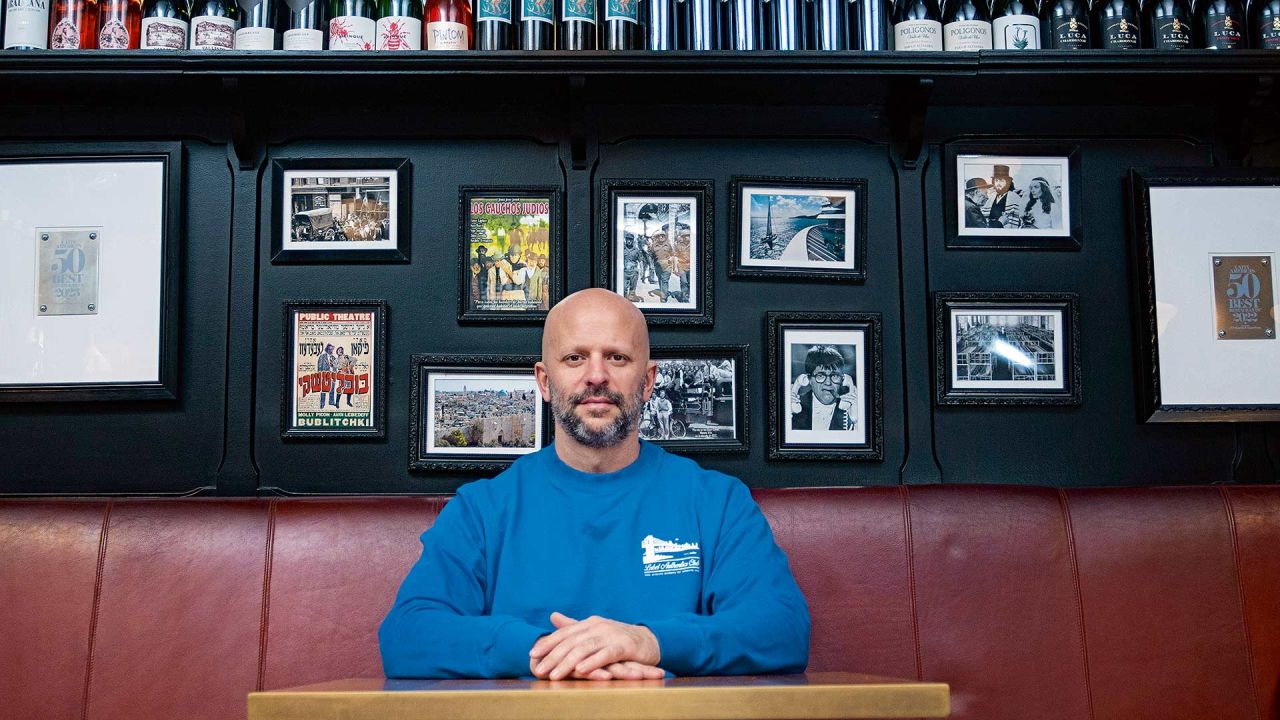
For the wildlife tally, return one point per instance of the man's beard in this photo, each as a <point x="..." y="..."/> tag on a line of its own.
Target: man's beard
<point x="613" y="433"/>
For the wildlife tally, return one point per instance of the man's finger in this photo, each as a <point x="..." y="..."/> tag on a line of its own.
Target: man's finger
<point x="547" y="645"/>
<point x="605" y="656"/>
<point x="565" y="667"/>
<point x="560" y="620"/>
<point x="599" y="674"/>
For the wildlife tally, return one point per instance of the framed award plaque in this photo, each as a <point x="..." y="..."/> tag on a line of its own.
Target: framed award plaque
<point x="1205" y="246"/>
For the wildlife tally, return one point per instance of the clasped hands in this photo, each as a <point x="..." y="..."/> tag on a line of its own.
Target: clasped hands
<point x="595" y="649"/>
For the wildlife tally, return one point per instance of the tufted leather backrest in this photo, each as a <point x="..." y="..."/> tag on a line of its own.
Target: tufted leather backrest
<point x="1031" y="602"/>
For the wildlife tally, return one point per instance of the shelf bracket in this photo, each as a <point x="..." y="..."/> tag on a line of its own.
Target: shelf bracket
<point x="908" y="107"/>
<point x="578" y="122"/>
<point x="248" y="149"/>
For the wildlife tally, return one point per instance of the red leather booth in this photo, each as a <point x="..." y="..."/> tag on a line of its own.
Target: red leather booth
<point x="1033" y="603"/>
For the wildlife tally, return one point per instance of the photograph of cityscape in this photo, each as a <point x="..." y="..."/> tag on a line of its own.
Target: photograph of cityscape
<point x="483" y="414"/>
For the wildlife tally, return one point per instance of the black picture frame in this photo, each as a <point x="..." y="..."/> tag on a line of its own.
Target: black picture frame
<point x="609" y="190"/>
<point x="741" y="442"/>
<point x="400" y="167"/>
<point x="1152" y="405"/>
<point x="422" y="366"/>
<point x="378" y="385"/>
<point x="166" y="385"/>
<point x="555" y="247"/>
<point x="777" y="325"/>
<point x="1028" y="149"/>
<point x="857" y="186"/>
<point x="947" y="393"/>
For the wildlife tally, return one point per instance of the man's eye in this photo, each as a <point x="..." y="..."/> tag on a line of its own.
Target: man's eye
<point x="573" y="358"/>
<point x="618" y="358"/>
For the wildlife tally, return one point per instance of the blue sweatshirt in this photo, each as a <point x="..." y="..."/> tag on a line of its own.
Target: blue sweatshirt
<point x="661" y="543"/>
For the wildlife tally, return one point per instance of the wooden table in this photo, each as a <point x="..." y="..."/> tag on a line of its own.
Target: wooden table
<point x="778" y="697"/>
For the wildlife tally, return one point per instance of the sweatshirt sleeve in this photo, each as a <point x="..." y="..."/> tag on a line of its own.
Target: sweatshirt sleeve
<point x="437" y="627"/>
<point x="754" y="619"/>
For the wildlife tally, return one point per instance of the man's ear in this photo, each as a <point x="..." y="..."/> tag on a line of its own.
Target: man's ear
<point x="543" y="379"/>
<point x="650" y="377"/>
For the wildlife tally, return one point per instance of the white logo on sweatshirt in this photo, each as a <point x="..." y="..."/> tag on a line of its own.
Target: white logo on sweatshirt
<point x="670" y="557"/>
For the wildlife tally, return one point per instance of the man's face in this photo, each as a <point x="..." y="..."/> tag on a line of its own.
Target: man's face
<point x="1001" y="184"/>
<point x="825" y="381"/>
<point x="977" y="195"/>
<point x="339" y="352"/>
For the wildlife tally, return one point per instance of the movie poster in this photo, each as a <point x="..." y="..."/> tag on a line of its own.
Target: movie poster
<point x="509" y="254"/>
<point x="333" y="367"/>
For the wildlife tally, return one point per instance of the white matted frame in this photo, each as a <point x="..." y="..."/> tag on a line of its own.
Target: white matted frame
<point x="1185" y="221"/>
<point x="128" y="195"/>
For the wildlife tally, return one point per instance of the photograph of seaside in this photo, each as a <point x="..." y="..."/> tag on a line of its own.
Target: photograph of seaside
<point x="797" y="228"/>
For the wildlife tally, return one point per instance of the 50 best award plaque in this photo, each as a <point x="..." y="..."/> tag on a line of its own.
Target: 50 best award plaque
<point x="1244" y="297"/>
<point x="67" y="271"/>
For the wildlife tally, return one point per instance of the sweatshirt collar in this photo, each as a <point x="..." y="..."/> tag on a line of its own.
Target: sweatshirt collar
<point x="569" y="478"/>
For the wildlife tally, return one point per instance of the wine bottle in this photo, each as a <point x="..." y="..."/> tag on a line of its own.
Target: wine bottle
<point x="537" y="24"/>
<point x="1065" y="25"/>
<point x="917" y="25"/>
<point x="780" y="24"/>
<point x="873" y="24"/>
<point x="966" y="26"/>
<point x="622" y="29"/>
<point x="73" y="25"/>
<point x="1014" y="25"/>
<point x="352" y="25"/>
<point x="399" y="25"/>
<point x="213" y="24"/>
<point x="1264" y="19"/>
<point x="1119" y="24"/>
<point x="1170" y="24"/>
<point x="26" y="24"/>
<point x="307" y="26"/>
<point x="829" y="30"/>
<point x="448" y="25"/>
<point x="164" y="25"/>
<point x="493" y="24"/>
<point x="119" y="24"/>
<point x="737" y="27"/>
<point x="1221" y="25"/>
<point x="260" y="25"/>
<point x="693" y="25"/>
<point x="577" y="24"/>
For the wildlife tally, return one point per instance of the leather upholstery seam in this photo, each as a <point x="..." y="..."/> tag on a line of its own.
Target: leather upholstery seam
<point x="1250" y="660"/>
<point x="97" y="605"/>
<point x="911" y="578"/>
<point x="265" y="620"/>
<point x="1064" y="506"/>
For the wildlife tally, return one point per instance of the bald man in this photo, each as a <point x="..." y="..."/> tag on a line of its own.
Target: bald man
<point x="601" y="556"/>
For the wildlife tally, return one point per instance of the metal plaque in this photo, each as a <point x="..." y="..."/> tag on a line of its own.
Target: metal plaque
<point x="1244" y="297"/>
<point x="67" y="271"/>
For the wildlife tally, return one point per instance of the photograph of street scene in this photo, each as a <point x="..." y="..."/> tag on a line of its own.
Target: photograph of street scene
<point x="340" y="209"/>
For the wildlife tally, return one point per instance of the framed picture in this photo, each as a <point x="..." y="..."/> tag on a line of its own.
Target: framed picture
<point x="335" y="369"/>
<point x="827" y="374"/>
<point x="1006" y="348"/>
<point x="1015" y="196"/>
<point x="699" y="402"/>
<point x="656" y="247"/>
<point x="89" y="285"/>
<point x="798" y="228"/>
<point x="340" y="210"/>
<point x="474" y="412"/>
<point x="1207" y="294"/>
<point x="512" y="269"/>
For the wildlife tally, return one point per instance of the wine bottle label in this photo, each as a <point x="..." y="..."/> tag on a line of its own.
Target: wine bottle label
<point x="539" y="10"/>
<point x="163" y="33"/>
<point x="399" y="32"/>
<point x="447" y="36"/>
<point x="1224" y="32"/>
<point x="917" y="35"/>
<point x="1016" y="32"/>
<point x="303" y="39"/>
<point x="65" y="35"/>
<point x="966" y="36"/>
<point x="580" y="10"/>
<point x="1270" y="35"/>
<point x="352" y="32"/>
<point x="1120" y="34"/>
<point x="26" y="24"/>
<point x="256" y="38"/>
<point x="494" y="11"/>
<point x="1172" y="34"/>
<point x="628" y="10"/>
<point x="213" y="32"/>
<point x="1070" y="34"/>
<point x="113" y="36"/>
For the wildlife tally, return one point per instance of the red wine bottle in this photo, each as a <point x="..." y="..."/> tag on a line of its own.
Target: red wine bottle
<point x="622" y="29"/>
<point x="966" y="26"/>
<point x="493" y="24"/>
<point x="1119" y="24"/>
<point x="577" y="24"/>
<point x="213" y="24"/>
<point x="917" y="25"/>
<point x="165" y="25"/>
<point x="119" y="24"/>
<point x="448" y="25"/>
<point x="1264" y="20"/>
<point x="261" y="25"/>
<point x="537" y="24"/>
<point x="1221" y="25"/>
<point x="307" y="27"/>
<point x="73" y="25"/>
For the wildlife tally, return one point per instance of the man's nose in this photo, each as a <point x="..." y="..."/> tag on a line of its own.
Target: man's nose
<point x="597" y="370"/>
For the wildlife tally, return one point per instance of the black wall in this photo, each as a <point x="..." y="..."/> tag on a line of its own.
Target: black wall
<point x="516" y="124"/>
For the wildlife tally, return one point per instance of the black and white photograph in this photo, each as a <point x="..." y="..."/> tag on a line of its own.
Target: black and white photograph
<point x="1020" y="196"/>
<point x="340" y="210"/>
<point x="698" y="403"/>
<point x="472" y="412"/>
<point x="656" y="248"/>
<point x="789" y="227"/>
<point x="1004" y="347"/>
<point x="828" y="379"/>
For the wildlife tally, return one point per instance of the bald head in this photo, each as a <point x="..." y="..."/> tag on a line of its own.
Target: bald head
<point x="595" y="313"/>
